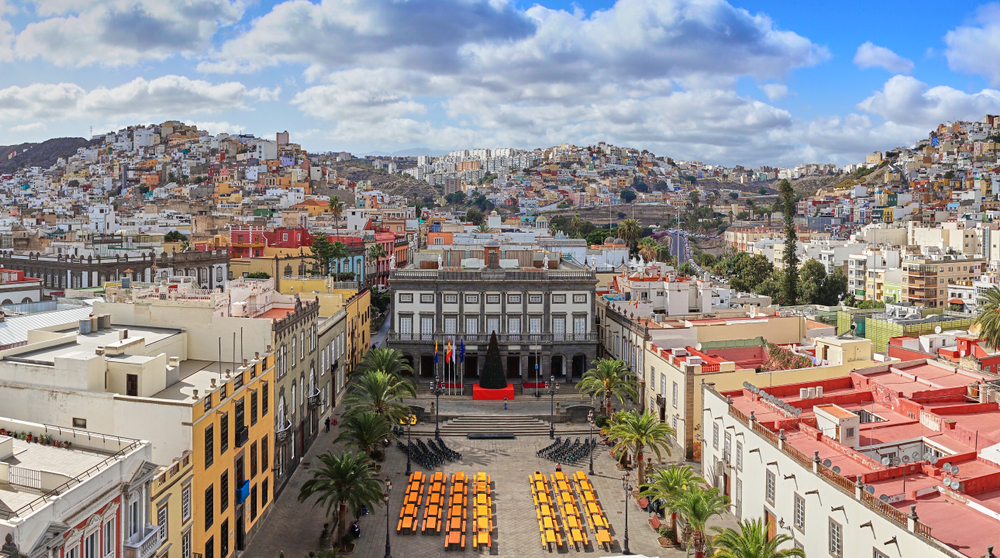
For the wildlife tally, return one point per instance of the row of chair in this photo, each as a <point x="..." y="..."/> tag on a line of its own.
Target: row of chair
<point x="575" y="533"/>
<point x="421" y="454"/>
<point x="548" y="527"/>
<point x="570" y="453"/>
<point x="411" y="504"/>
<point x="454" y="538"/>
<point x="435" y="504"/>
<point x="482" y="511"/>
<point x="444" y="451"/>
<point x="596" y="518"/>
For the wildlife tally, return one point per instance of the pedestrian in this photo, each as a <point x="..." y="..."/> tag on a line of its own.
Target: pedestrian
<point x="327" y="422"/>
<point x="355" y="530"/>
<point x="505" y="403"/>
<point x="558" y="467"/>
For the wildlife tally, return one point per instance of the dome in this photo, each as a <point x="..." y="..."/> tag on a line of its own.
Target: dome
<point x="609" y="241"/>
<point x="492" y="243"/>
<point x="619" y="241"/>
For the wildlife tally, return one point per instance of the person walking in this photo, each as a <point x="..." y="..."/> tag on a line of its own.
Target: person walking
<point x="327" y="422"/>
<point x="505" y="403"/>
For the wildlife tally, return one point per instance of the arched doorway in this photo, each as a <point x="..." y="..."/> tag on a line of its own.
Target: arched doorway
<point x="557" y="366"/>
<point x="579" y="365"/>
<point x="409" y="361"/>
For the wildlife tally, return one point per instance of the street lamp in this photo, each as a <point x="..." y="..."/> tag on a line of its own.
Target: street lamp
<point x="590" y="419"/>
<point x="553" y="389"/>
<point x="409" y="421"/>
<point x="437" y="390"/>
<point x="388" y="547"/>
<point x="628" y="492"/>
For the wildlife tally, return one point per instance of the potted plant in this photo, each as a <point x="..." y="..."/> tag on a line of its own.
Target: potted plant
<point x="68" y="444"/>
<point x="28" y="437"/>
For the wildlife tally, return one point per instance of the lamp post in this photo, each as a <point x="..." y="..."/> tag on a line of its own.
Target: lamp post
<point x="628" y="492"/>
<point x="590" y="419"/>
<point x="409" y="421"/>
<point x="553" y="389"/>
<point x="437" y="390"/>
<point x="388" y="489"/>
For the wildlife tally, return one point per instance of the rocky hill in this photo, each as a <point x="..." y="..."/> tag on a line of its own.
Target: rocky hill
<point x="394" y="184"/>
<point x="42" y="154"/>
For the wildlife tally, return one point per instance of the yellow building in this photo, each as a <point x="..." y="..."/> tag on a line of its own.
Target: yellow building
<point x="359" y="337"/>
<point x="233" y="441"/>
<point x="170" y="505"/>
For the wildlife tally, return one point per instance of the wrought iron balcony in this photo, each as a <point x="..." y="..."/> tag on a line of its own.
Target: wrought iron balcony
<point x="144" y="543"/>
<point x="242" y="435"/>
<point x="314" y="399"/>
<point x="283" y="434"/>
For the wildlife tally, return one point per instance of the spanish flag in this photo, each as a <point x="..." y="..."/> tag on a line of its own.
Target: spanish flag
<point x="447" y="355"/>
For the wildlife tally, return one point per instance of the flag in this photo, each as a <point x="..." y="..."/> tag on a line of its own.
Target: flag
<point x="447" y="354"/>
<point x="461" y="351"/>
<point x="435" y="352"/>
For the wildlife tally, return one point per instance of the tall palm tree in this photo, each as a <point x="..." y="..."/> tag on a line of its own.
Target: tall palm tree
<point x="365" y="431"/>
<point x="375" y="253"/>
<point x="343" y="481"/>
<point x="698" y="505"/>
<point x="668" y="485"/>
<point x="634" y="431"/>
<point x="752" y="207"/>
<point x="988" y="319"/>
<point x="381" y="393"/>
<point x="337" y="209"/>
<point x="751" y="542"/>
<point x="629" y="230"/>
<point x="648" y="253"/>
<point x="339" y="253"/>
<point x="483" y="228"/>
<point x="768" y="210"/>
<point x="576" y="222"/>
<point x="608" y="378"/>
<point x="390" y="361"/>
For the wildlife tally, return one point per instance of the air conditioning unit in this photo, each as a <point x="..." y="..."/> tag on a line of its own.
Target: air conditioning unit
<point x="803" y="393"/>
<point x="812" y="392"/>
<point x="695" y="361"/>
<point x="819" y="391"/>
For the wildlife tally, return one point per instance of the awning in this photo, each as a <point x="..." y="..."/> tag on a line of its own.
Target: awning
<point x="956" y="301"/>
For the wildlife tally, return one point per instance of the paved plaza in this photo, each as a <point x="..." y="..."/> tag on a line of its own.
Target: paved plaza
<point x="295" y="528"/>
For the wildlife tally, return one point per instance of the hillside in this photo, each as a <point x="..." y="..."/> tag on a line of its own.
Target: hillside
<point x="393" y="184"/>
<point x="42" y="154"/>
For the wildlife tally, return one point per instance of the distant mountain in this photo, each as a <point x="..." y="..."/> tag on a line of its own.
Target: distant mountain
<point x="414" y="152"/>
<point x="42" y="154"/>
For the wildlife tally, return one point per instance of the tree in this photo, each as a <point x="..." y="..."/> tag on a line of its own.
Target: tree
<point x="751" y="541"/>
<point x="174" y="236"/>
<point x="475" y="216"/>
<point x="734" y="195"/>
<point x="608" y="378"/>
<point x="669" y="484"/>
<point x="343" y="481"/>
<point x="336" y="208"/>
<point x="695" y="198"/>
<point x="575" y="222"/>
<point x="627" y="195"/>
<point x="698" y="505"/>
<point x="389" y="361"/>
<point x="365" y="431"/>
<point x="989" y="317"/>
<point x="687" y="269"/>
<point x="338" y="253"/>
<point x="492" y="376"/>
<point x="483" y="228"/>
<point x="635" y="432"/>
<point x="380" y="393"/>
<point x="813" y="276"/>
<point x="258" y="275"/>
<point x="762" y="191"/>
<point x="629" y="231"/>
<point x="322" y="253"/>
<point x="598" y="236"/>
<point x="375" y="253"/>
<point x="790" y="283"/>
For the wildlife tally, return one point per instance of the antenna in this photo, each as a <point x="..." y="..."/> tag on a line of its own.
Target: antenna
<point x="698" y="346"/>
<point x="937" y="329"/>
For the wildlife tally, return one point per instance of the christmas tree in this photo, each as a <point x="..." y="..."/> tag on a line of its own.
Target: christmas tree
<point x="492" y="376"/>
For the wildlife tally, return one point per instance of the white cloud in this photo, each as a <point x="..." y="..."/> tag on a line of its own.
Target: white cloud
<point x="220" y="127"/>
<point x="264" y="94"/>
<point x="26" y="128"/>
<point x="122" y="32"/>
<point x="165" y="96"/>
<point x="774" y="91"/>
<point x="870" y="55"/>
<point x="908" y="101"/>
<point x="974" y="49"/>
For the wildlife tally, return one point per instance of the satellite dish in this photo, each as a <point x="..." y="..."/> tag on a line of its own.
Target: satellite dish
<point x="827" y="463"/>
<point x="906" y="459"/>
<point x="836" y="469"/>
<point x="937" y="329"/>
<point x="886" y="461"/>
<point x="947" y="482"/>
<point x="884" y="498"/>
<point x="954" y="470"/>
<point x="746" y="385"/>
<point x="798" y="412"/>
<point x="870" y="489"/>
<point x="915" y="456"/>
<point x="698" y="346"/>
<point x="947" y="467"/>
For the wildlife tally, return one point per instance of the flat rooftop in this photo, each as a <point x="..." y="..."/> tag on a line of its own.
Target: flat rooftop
<point x="196" y="375"/>
<point x="88" y="343"/>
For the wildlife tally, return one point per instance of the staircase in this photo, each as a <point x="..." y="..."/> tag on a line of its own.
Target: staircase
<point x="519" y="425"/>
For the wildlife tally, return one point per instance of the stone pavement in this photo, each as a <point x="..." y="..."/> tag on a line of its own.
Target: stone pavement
<point x="295" y="528"/>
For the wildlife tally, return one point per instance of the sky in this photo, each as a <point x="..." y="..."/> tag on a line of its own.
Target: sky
<point x="752" y="82"/>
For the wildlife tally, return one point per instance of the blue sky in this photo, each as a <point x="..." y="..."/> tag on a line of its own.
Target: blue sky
<point x="753" y="83"/>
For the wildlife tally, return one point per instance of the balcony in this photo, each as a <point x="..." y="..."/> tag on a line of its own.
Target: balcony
<point x="242" y="435"/>
<point x="284" y="433"/>
<point x="660" y="401"/>
<point x="144" y="543"/>
<point x="502" y="339"/>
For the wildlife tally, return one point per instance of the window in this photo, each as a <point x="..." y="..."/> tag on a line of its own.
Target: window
<point x="579" y="299"/>
<point x="579" y="326"/>
<point x="427" y="298"/>
<point x="72" y="553"/>
<point x="224" y="491"/>
<point x="132" y="384"/>
<point x="513" y="299"/>
<point x="850" y="431"/>
<point x="209" y="445"/>
<point x="294" y="343"/>
<point x="739" y="498"/>
<point x="739" y="455"/>
<point x="800" y="513"/>
<point x="210" y="548"/>
<point x="223" y="392"/>
<point x="836" y="539"/>
<point x="90" y="549"/>
<point x="673" y="424"/>
<point x="451" y="299"/>
<point x="715" y="435"/>
<point x="426" y="326"/>
<point x="263" y="493"/>
<point x="186" y="545"/>
<point x="769" y="487"/>
<point x="109" y="538"/>
<point x="79" y="422"/>
<point x="472" y="299"/>
<point x="471" y="326"/>
<point x="559" y="299"/>
<point x="302" y="345"/>
<point x="534" y="325"/>
<point x="514" y="326"/>
<point x="559" y="326"/>
<point x="876" y="553"/>
<point x="263" y="399"/>
<point x="209" y="506"/>
<point x="493" y="299"/>
<point x="405" y="297"/>
<point x="727" y="448"/>
<point x="676" y="392"/>
<point x="253" y="408"/>
<point x="186" y="503"/>
<point x="253" y="460"/>
<point x="450" y="325"/>
<point x="263" y="454"/>
<point x="161" y="522"/>
<point x="535" y="299"/>
<point x="224" y="434"/>
<point x="492" y="325"/>
<point x="224" y="539"/>
<point x="253" y="502"/>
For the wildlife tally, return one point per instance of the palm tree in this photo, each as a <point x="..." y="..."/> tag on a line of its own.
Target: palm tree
<point x="629" y="230"/>
<point x="648" y="253"/>
<point x="576" y="222"/>
<point x="389" y="361"/>
<point x="380" y="392"/>
<point x="343" y="481"/>
<point x="668" y="485"/>
<point x="768" y="210"/>
<point x="337" y="209"/>
<point x="698" y="505"/>
<point x="338" y="253"/>
<point x="484" y="228"/>
<point x="751" y="542"/>
<point x="634" y="431"/>
<point x="375" y="253"/>
<point x="365" y="430"/>
<point x="608" y="378"/>
<point x="989" y="316"/>
<point x="752" y="207"/>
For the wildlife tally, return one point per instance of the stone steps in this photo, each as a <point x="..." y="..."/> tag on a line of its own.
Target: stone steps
<point x="507" y="424"/>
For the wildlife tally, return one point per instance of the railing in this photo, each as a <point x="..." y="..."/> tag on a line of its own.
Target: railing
<point x="242" y="435"/>
<point x="924" y="531"/>
<point x="884" y="509"/>
<point x="25" y="477"/>
<point x="314" y="399"/>
<point x="144" y="543"/>
<point x="283" y="434"/>
<point x="503" y="339"/>
<point x="491" y="275"/>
